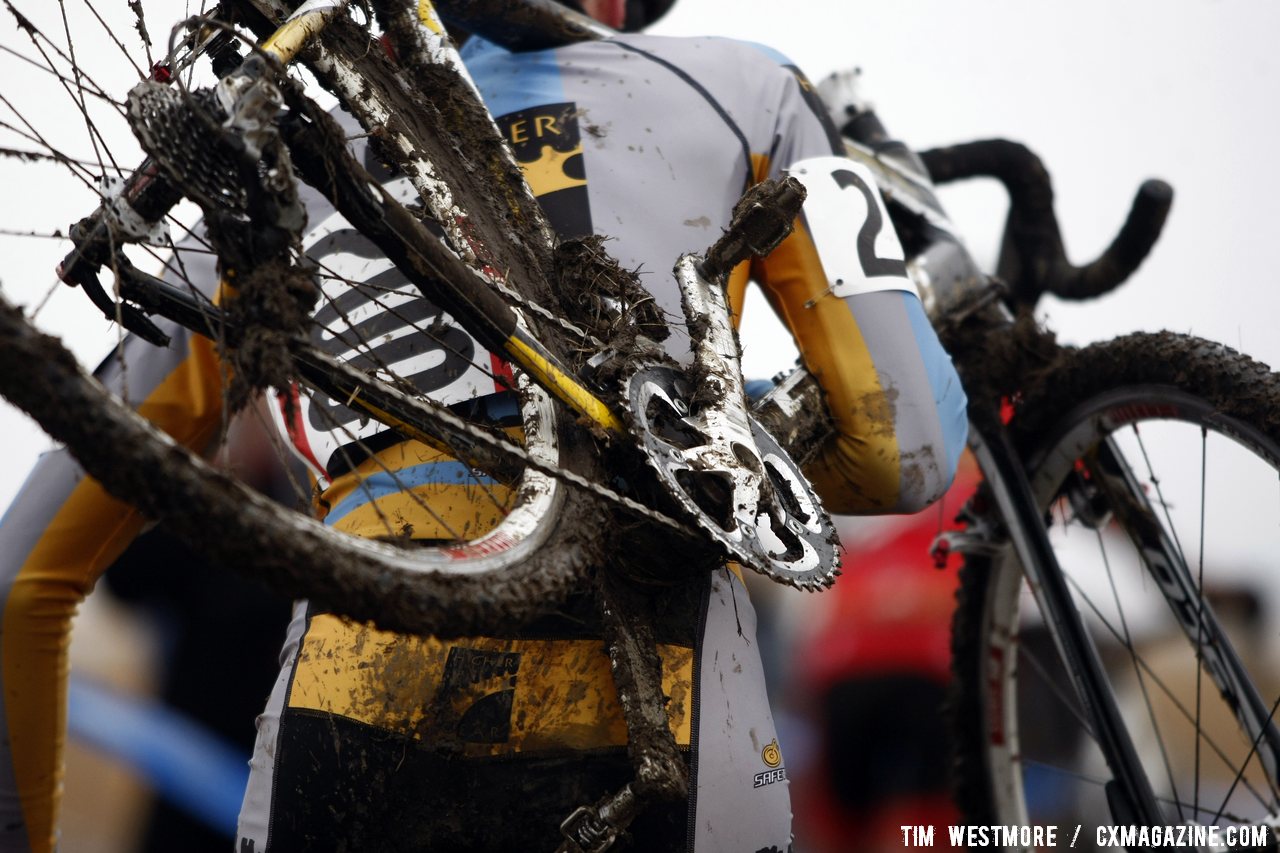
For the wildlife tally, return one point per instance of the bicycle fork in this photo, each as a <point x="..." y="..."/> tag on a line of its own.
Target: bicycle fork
<point x="1129" y="794"/>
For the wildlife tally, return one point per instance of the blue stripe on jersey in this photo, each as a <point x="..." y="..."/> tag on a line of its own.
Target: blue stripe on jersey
<point x="948" y="394"/>
<point x="508" y="82"/>
<point x="382" y="484"/>
<point x="776" y="55"/>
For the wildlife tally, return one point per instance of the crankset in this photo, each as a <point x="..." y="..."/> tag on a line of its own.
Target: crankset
<point x="710" y="456"/>
<point x="732" y="479"/>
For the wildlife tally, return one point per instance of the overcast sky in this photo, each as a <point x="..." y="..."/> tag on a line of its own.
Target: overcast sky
<point x="1109" y="92"/>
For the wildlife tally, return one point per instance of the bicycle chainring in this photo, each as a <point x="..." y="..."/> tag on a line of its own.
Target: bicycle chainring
<point x="781" y="532"/>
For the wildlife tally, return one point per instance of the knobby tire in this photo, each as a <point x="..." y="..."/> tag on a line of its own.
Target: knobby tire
<point x="244" y="530"/>
<point x="1140" y="376"/>
<point x="512" y="574"/>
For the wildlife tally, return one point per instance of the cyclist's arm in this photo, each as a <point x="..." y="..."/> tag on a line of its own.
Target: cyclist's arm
<point x="898" y="406"/>
<point x="59" y="535"/>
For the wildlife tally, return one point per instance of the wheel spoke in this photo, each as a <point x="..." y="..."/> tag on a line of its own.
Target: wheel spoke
<point x="1181" y="672"/>
<point x="1054" y="685"/>
<point x="1253" y="750"/>
<point x="1164" y="688"/>
<point x="1158" y="486"/>
<point x="1137" y="671"/>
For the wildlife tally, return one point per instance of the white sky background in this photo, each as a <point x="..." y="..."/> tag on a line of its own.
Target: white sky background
<point x="1108" y="92"/>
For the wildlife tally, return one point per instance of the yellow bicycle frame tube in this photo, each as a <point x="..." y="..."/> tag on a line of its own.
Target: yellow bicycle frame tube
<point x="541" y="366"/>
<point x="305" y="22"/>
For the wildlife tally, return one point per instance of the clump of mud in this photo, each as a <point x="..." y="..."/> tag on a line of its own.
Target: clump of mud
<point x="271" y="307"/>
<point x="596" y="291"/>
<point x="995" y="358"/>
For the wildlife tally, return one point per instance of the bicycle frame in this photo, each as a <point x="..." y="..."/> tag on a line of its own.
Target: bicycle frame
<point x="462" y="281"/>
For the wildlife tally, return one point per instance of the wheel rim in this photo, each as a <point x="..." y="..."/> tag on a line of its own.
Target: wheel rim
<point x="1043" y="765"/>
<point x="536" y="500"/>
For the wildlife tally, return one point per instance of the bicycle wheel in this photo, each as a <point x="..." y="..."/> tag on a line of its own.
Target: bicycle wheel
<point x="457" y="578"/>
<point x="1193" y="428"/>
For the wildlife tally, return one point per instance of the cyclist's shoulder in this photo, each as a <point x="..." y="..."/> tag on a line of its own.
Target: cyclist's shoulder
<point x="699" y="56"/>
<point x="719" y="54"/>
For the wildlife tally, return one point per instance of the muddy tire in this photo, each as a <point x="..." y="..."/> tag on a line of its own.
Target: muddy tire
<point x="445" y="591"/>
<point x="551" y="535"/>
<point x="1022" y="750"/>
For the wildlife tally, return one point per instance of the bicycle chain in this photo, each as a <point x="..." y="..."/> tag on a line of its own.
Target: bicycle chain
<point x="458" y="424"/>
<point x="524" y="302"/>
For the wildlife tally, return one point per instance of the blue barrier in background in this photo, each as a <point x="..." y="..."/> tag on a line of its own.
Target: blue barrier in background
<point x="183" y="762"/>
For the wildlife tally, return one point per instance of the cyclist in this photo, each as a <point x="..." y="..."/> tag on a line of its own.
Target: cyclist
<point x="376" y="741"/>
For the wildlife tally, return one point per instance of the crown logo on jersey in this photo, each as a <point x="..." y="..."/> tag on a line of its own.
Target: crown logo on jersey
<point x="547" y="174"/>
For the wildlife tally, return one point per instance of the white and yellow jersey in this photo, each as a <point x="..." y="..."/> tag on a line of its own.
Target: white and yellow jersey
<point x="649" y="141"/>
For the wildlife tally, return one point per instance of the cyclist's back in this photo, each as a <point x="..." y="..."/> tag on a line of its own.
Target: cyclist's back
<point x="651" y="141"/>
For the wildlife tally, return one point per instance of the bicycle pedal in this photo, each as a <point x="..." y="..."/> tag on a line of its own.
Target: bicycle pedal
<point x="762" y="219"/>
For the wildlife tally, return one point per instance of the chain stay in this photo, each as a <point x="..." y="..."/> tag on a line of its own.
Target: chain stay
<point x="456" y="425"/>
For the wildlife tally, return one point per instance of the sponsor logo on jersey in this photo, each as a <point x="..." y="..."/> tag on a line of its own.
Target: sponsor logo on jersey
<point x="477" y="692"/>
<point x="548" y="146"/>
<point x="769" y="777"/>
<point x="771" y="755"/>
<point x="371" y="317"/>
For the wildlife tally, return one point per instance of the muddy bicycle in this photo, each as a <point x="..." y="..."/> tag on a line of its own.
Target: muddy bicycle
<point x="1080" y="476"/>
<point x="500" y="317"/>
<point x="440" y="198"/>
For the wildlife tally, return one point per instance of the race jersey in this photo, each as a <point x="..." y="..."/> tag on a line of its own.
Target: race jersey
<point x="649" y="141"/>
